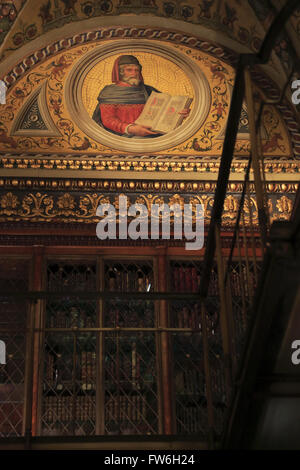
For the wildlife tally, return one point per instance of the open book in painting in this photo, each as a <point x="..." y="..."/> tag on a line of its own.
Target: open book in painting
<point x="161" y="112"/>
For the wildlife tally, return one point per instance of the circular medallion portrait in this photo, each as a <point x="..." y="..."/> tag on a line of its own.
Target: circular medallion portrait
<point x="141" y="98"/>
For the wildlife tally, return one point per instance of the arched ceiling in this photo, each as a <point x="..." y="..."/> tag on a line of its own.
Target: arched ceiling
<point x="43" y="40"/>
<point x="37" y="115"/>
<point x="244" y="22"/>
<point x="52" y="170"/>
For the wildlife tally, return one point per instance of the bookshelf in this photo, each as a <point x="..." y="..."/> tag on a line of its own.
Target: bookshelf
<point x="130" y="369"/>
<point x="115" y="370"/>
<point x="68" y="404"/>
<point x="189" y="387"/>
<point x="112" y="381"/>
<point x="13" y="321"/>
<point x="109" y="382"/>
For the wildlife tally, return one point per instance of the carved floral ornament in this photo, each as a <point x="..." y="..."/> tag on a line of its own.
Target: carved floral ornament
<point x="36" y="207"/>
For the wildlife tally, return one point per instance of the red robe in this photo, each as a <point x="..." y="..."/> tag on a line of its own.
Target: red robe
<point x="118" y="116"/>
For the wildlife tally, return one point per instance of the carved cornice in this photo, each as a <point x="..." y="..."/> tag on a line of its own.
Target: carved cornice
<point x="117" y="163"/>
<point x="132" y="186"/>
<point x="80" y="206"/>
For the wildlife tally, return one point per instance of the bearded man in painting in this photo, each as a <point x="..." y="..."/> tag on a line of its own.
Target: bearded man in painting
<point x="121" y="103"/>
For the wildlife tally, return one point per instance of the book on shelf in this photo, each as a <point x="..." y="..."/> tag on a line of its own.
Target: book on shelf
<point x="128" y="280"/>
<point x="236" y="286"/>
<point x="195" y="280"/>
<point x="189" y="381"/>
<point x="161" y="112"/>
<point x="50" y="368"/>
<point x="88" y="367"/>
<point x="213" y="288"/>
<point x="190" y="420"/>
<point x="189" y="316"/>
<point x="182" y="279"/>
<point x="176" y="278"/>
<point x="68" y="408"/>
<point x="120" y="408"/>
<point x="186" y="279"/>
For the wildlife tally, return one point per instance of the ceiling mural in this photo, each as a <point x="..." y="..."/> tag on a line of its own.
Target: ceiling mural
<point x="243" y="22"/>
<point x="47" y="110"/>
<point x="9" y="11"/>
<point x="295" y="21"/>
<point x="230" y="17"/>
<point x="58" y="79"/>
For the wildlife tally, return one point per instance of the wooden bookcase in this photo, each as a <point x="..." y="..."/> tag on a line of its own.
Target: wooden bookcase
<point x="111" y="365"/>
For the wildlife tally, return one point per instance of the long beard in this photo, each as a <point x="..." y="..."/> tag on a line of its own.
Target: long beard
<point x="131" y="80"/>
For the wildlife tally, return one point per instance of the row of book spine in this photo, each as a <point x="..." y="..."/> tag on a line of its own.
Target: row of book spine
<point x="68" y="408"/>
<point x="243" y="285"/>
<point x="122" y="407"/>
<point x="218" y="385"/>
<point x="191" y="419"/>
<point x="62" y="319"/>
<point x="189" y="381"/>
<point x="187" y="279"/>
<point x="120" y="317"/>
<point x="64" y="281"/>
<point x="82" y="408"/>
<point x="189" y="317"/>
<point x="236" y="288"/>
<point x="88" y="366"/>
<point x="50" y="368"/>
<point x="127" y="368"/>
<point x="127" y="281"/>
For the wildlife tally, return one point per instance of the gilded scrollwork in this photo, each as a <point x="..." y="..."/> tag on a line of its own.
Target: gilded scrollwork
<point x="38" y="205"/>
<point x="88" y="205"/>
<point x="206" y="201"/>
<point x="284" y="205"/>
<point x="9" y="203"/>
<point x="177" y="199"/>
<point x="231" y="205"/>
<point x="250" y="211"/>
<point x="65" y="206"/>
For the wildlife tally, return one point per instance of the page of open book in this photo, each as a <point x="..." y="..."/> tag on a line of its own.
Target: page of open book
<point x="170" y="118"/>
<point x="161" y="112"/>
<point x="152" y="111"/>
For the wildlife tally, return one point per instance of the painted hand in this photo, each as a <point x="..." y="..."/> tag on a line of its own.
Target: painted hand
<point x="185" y="112"/>
<point x="141" y="131"/>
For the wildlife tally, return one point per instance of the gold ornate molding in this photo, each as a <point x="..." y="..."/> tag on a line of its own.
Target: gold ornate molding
<point x="117" y="163"/>
<point x="130" y="186"/>
<point x="69" y="207"/>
